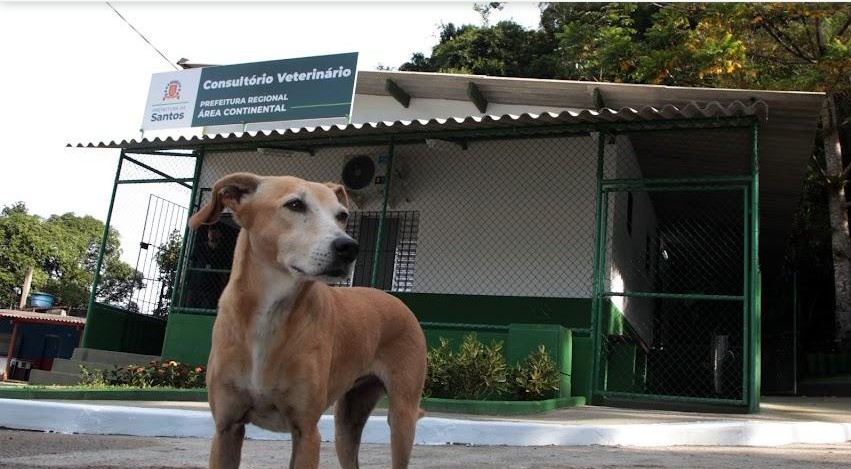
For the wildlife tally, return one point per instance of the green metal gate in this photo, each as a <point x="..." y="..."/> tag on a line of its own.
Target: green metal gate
<point x="676" y="283"/>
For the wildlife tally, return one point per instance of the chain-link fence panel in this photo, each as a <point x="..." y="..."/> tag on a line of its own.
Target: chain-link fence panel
<point x="137" y="265"/>
<point x="149" y="215"/>
<point x="675" y="278"/>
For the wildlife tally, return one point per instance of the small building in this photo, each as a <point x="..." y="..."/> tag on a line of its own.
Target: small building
<point x="638" y="220"/>
<point x="32" y="340"/>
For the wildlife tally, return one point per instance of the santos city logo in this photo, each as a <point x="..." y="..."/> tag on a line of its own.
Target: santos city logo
<point x="172" y="90"/>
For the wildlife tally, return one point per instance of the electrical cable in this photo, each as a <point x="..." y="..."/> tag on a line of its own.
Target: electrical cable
<point x="142" y="36"/>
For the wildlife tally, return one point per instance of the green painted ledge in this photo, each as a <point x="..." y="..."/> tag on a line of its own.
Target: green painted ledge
<point x="498" y="407"/>
<point x="120" y="394"/>
<point x="200" y="395"/>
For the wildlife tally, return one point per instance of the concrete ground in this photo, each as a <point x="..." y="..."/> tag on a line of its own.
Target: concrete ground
<point x="27" y="449"/>
<point x="24" y="450"/>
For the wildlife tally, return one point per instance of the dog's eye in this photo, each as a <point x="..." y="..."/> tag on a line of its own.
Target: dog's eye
<point x="342" y="217"/>
<point x="296" y="206"/>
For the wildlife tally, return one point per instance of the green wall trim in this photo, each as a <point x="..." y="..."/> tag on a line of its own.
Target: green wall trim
<point x="496" y="310"/>
<point x="498" y="407"/>
<point x="524" y="339"/>
<point x="117" y="394"/>
<point x="582" y="361"/>
<point x="188" y="338"/>
<point x="112" y="328"/>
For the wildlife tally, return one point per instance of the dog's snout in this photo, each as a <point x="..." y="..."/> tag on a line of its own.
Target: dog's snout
<point x="346" y="249"/>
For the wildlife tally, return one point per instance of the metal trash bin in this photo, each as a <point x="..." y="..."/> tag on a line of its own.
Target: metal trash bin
<point x="20" y="369"/>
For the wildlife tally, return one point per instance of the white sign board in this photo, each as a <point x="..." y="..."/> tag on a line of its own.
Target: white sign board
<point x="171" y="99"/>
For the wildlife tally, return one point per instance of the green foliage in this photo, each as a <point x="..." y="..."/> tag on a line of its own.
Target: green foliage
<point x="479" y="372"/>
<point x="537" y="378"/>
<point x="24" y="241"/>
<point x="170" y="374"/>
<point x="63" y="249"/>
<point x="439" y="362"/>
<point x="504" y="49"/>
<point x="595" y="42"/>
<point x="167" y="257"/>
<point x="804" y="46"/>
<point x="476" y="371"/>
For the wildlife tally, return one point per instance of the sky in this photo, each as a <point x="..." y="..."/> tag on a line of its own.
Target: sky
<point x="76" y="72"/>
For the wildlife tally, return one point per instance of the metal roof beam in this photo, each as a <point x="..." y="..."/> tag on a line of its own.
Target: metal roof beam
<point x="476" y="96"/>
<point x="398" y="93"/>
<point x="597" y="96"/>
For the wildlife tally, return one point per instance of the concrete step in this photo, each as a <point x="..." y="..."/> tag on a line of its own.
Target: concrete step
<point x="45" y="377"/>
<point x="66" y="365"/>
<point x="110" y="357"/>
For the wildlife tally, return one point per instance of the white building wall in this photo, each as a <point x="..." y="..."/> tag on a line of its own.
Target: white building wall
<point x="628" y="271"/>
<point x="503" y="217"/>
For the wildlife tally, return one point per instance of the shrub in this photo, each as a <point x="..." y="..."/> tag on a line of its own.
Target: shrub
<point x="478" y="371"/>
<point x="537" y="378"/>
<point x="168" y="373"/>
<point x="438" y="370"/>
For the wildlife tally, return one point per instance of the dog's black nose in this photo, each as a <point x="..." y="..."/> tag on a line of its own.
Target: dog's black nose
<point x="346" y="249"/>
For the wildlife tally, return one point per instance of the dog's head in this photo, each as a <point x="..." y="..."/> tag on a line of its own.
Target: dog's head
<point x="296" y="224"/>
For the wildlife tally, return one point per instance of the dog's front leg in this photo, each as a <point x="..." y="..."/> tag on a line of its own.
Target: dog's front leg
<point x="229" y="411"/>
<point x="227" y="446"/>
<point x="306" y="443"/>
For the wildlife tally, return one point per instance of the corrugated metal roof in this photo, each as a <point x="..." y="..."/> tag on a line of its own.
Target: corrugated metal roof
<point x="605" y="115"/>
<point x="42" y="317"/>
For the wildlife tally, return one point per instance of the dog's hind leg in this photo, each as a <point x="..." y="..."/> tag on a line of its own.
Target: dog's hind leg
<point x="350" y="415"/>
<point x="403" y="418"/>
<point x="404" y="389"/>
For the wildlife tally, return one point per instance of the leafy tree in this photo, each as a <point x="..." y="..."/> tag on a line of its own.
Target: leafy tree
<point x="485" y="10"/>
<point x="24" y="242"/>
<point x="64" y="250"/>
<point x="167" y="257"/>
<point x="504" y="49"/>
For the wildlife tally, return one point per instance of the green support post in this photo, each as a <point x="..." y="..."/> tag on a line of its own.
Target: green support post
<point x="96" y="280"/>
<point x="756" y="281"/>
<point x="376" y="257"/>
<point x="599" y="250"/>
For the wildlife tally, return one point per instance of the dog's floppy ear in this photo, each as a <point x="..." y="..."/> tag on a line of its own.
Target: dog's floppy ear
<point x="227" y="192"/>
<point x="340" y="192"/>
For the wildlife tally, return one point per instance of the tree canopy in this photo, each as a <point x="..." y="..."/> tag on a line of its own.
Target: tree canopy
<point x="63" y="250"/>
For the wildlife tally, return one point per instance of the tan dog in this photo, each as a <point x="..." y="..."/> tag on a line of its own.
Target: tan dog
<point x="286" y="346"/>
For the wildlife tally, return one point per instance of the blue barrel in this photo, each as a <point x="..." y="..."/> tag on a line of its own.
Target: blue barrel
<point x="41" y="300"/>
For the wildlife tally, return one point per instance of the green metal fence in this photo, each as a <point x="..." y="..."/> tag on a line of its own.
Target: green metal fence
<point x="676" y="287"/>
<point x="148" y="204"/>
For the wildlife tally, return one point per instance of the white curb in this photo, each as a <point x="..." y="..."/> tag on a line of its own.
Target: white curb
<point x="135" y="421"/>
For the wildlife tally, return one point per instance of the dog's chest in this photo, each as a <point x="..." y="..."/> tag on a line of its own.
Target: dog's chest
<point x="266" y="333"/>
<point x="265" y="413"/>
